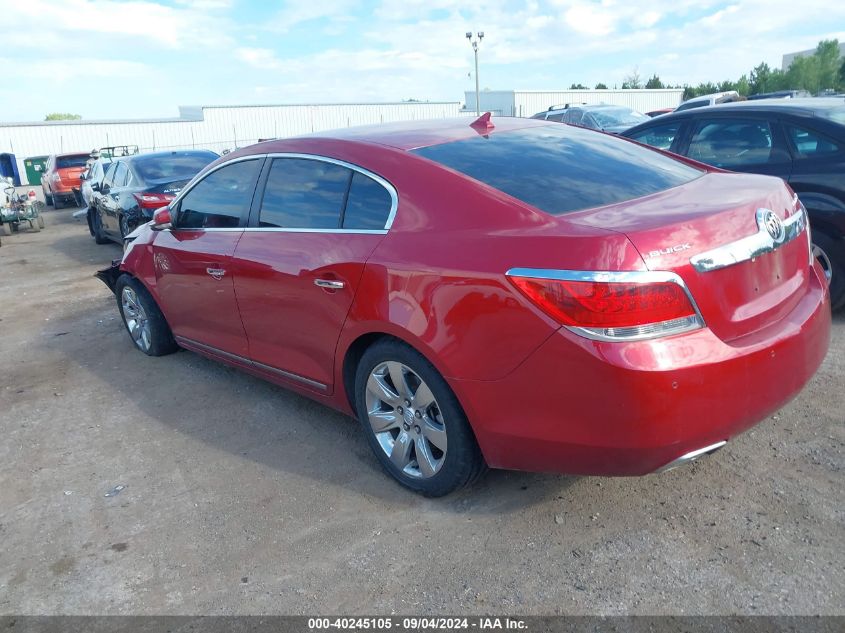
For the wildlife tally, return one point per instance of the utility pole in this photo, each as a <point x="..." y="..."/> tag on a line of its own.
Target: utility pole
<point x="475" y="44"/>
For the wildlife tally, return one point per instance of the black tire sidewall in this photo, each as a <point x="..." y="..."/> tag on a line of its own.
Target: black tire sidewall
<point x="161" y="338"/>
<point x="463" y="463"/>
<point x="834" y="251"/>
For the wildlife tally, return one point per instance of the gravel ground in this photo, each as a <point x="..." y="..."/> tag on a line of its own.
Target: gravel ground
<point x="240" y="497"/>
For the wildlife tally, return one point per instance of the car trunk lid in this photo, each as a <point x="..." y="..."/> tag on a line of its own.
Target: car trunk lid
<point x="713" y="233"/>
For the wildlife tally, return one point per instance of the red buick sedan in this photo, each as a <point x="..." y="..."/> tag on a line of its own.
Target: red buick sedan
<point x="512" y="294"/>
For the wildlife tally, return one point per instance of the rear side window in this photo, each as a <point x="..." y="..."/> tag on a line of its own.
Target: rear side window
<point x="220" y="199"/>
<point x="731" y="142"/>
<point x="809" y="143"/>
<point x="120" y="174"/>
<point x="368" y="205"/>
<point x="561" y="169"/>
<point x="80" y="160"/>
<point x="659" y="136"/>
<point x="304" y="194"/>
<point x="109" y="177"/>
<point x="690" y="105"/>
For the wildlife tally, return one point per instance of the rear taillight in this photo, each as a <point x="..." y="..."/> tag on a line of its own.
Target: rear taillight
<point x="153" y="200"/>
<point x="611" y="305"/>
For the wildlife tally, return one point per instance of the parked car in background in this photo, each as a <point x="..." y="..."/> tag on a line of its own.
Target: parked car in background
<point x="654" y="113"/>
<point x="60" y="177"/>
<point x="507" y="292"/>
<point x="607" y="118"/>
<point x="134" y="186"/>
<point x="780" y="94"/>
<point x="712" y="99"/>
<point x="799" y="140"/>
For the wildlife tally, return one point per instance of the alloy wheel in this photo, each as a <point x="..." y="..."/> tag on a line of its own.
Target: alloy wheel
<point x="406" y="420"/>
<point x="137" y="321"/>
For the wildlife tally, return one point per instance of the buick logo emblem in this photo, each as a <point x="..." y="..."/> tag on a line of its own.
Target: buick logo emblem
<point x="773" y="225"/>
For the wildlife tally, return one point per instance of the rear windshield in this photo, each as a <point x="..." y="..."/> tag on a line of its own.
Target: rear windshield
<point x="172" y="167"/>
<point x="617" y="116"/>
<point x="837" y="115"/>
<point x="560" y="169"/>
<point x="80" y="160"/>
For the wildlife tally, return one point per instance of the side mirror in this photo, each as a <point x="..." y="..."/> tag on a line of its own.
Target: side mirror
<point x="161" y="218"/>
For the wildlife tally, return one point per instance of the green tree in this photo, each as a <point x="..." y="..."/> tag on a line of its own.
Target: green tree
<point x="654" y="83"/>
<point x="632" y="80"/>
<point x="62" y="116"/>
<point x="601" y="86"/>
<point x="578" y="87"/>
<point x="827" y="54"/>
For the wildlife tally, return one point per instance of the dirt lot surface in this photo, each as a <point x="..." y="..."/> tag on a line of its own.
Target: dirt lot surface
<point x="240" y="497"/>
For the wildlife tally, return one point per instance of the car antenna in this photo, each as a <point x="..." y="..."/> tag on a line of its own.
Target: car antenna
<point x="482" y="122"/>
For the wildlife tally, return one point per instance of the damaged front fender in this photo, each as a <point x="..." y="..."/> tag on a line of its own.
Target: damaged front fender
<point x="110" y="275"/>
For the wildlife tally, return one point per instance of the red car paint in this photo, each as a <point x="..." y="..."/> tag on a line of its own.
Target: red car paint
<point x="58" y="181"/>
<point x="538" y="396"/>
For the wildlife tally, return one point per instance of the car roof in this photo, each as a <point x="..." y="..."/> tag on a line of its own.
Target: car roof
<point x="182" y="152"/>
<point x="408" y="135"/>
<point x="803" y="104"/>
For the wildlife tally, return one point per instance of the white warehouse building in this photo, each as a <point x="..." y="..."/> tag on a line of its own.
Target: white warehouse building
<point x="528" y="102"/>
<point x="217" y="128"/>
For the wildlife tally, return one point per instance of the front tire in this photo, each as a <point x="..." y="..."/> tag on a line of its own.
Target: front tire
<point x="414" y="422"/>
<point x="144" y="321"/>
<point x="831" y="255"/>
<point x="48" y="199"/>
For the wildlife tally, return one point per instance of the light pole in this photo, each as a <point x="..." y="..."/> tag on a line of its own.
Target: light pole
<point x="475" y="44"/>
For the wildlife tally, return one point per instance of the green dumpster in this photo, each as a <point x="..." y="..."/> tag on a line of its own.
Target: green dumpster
<point x="34" y="166"/>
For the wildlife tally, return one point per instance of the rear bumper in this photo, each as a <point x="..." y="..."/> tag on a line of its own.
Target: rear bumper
<point x="592" y="408"/>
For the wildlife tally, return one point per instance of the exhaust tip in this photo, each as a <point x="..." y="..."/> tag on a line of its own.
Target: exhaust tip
<point x="691" y="456"/>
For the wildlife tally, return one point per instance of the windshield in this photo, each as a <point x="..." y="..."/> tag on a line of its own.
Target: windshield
<point x="609" y="117"/>
<point x="78" y="160"/>
<point x="173" y="166"/>
<point x="560" y="169"/>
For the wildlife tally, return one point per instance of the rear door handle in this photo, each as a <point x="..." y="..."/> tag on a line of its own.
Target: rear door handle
<point x="330" y="284"/>
<point x="216" y="273"/>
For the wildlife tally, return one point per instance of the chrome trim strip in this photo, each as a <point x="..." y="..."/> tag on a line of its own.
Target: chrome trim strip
<point x="633" y="276"/>
<point x="253" y="363"/>
<point x="753" y="246"/>
<point x="252" y="229"/>
<point x="691" y="456"/>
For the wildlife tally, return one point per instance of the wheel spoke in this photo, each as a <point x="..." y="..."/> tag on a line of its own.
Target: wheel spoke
<point x="378" y="386"/>
<point x="397" y="375"/>
<point x="382" y="421"/>
<point x="425" y="460"/>
<point x="423" y="398"/>
<point x="400" y="455"/>
<point x="135" y="330"/>
<point x="434" y="433"/>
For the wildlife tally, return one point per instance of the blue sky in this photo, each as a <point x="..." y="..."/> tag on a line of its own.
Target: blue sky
<point x="140" y="58"/>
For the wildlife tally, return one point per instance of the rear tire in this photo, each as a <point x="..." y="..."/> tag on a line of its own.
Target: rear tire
<point x="57" y="203"/>
<point x="834" y="252"/>
<point x="144" y="322"/>
<point x="417" y="429"/>
<point x="4" y="229"/>
<point x="97" y="229"/>
<point x="48" y="199"/>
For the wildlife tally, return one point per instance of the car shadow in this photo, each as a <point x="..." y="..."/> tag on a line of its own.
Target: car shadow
<point x="252" y="419"/>
<point x="84" y="250"/>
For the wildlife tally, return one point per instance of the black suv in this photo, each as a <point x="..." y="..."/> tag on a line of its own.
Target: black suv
<point x="800" y="140"/>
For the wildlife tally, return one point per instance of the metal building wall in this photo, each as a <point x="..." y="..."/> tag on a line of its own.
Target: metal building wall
<point x="210" y="127"/>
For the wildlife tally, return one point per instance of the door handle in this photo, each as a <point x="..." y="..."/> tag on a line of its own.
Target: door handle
<point x="329" y="284"/>
<point x="216" y="273"/>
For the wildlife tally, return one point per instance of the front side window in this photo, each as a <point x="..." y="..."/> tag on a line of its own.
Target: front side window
<point x="561" y="169"/>
<point x="659" y="136"/>
<point x="731" y="142"/>
<point x="809" y="143"/>
<point x="109" y="178"/>
<point x="557" y="116"/>
<point x="221" y="198"/>
<point x="304" y="194"/>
